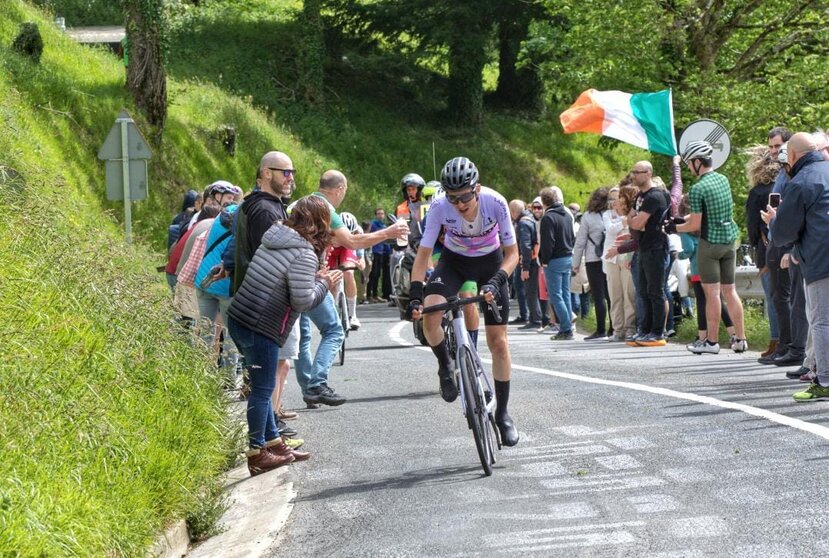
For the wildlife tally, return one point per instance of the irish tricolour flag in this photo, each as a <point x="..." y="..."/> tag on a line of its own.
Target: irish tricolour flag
<point x="645" y="120"/>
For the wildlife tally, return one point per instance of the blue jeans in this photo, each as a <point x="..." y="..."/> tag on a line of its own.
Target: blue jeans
<point x="314" y="373"/>
<point x="774" y="329"/>
<point x="261" y="355"/>
<point x="558" y="276"/>
<point x="520" y="293"/>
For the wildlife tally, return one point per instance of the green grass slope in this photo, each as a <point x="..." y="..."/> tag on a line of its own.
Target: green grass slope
<point x="112" y="424"/>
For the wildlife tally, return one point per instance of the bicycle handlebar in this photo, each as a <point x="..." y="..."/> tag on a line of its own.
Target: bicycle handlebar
<point x="454" y="301"/>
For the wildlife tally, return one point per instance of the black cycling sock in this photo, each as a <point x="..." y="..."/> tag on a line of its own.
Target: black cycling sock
<point x="442" y="354"/>
<point x="501" y="399"/>
<point x="473" y="336"/>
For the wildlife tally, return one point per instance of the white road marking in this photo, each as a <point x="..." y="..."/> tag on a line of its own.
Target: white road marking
<point x="811" y="428"/>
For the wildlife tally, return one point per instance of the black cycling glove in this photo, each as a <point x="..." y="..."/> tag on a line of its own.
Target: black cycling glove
<point x="415" y="298"/>
<point x="494" y="285"/>
<point x="669" y="226"/>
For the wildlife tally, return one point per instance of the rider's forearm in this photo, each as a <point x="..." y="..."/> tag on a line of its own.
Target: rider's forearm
<point x="510" y="259"/>
<point x="421" y="264"/>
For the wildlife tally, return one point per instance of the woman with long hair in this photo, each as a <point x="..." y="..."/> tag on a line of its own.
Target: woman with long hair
<point x="590" y="245"/>
<point x="281" y="282"/>
<point x="761" y="172"/>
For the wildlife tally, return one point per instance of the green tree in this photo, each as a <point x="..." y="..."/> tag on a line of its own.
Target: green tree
<point x="146" y="77"/>
<point x="520" y="85"/>
<point x="311" y="69"/>
<point x="750" y="64"/>
<point x="460" y="31"/>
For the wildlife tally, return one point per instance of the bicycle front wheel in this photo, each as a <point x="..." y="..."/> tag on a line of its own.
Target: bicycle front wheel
<point x="477" y="413"/>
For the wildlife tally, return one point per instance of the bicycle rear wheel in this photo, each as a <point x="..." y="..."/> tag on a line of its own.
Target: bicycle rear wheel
<point x="477" y="413"/>
<point x="343" y="309"/>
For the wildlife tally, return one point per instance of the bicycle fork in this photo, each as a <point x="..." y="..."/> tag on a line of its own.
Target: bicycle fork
<point x="462" y="340"/>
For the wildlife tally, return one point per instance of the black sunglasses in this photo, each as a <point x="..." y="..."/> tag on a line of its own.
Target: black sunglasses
<point x="463" y="198"/>
<point x="285" y="172"/>
<point x="538" y="207"/>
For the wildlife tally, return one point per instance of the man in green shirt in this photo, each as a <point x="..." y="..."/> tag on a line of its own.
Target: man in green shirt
<point x="312" y="372"/>
<point x="712" y="214"/>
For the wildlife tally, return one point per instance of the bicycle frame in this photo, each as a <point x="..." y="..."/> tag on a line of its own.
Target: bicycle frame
<point x="462" y="340"/>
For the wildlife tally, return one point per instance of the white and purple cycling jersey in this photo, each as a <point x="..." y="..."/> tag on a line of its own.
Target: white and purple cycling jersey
<point x="491" y="229"/>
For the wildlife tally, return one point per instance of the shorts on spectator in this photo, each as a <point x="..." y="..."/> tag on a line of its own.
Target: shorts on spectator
<point x="340" y="256"/>
<point x="717" y="263"/>
<point x="290" y="349"/>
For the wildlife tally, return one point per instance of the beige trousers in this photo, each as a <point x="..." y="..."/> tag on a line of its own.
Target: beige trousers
<point x="622" y="299"/>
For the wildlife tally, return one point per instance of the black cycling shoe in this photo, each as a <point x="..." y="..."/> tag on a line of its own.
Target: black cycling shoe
<point x="448" y="387"/>
<point x="509" y="434"/>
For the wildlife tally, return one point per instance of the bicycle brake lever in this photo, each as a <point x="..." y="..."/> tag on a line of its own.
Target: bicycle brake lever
<point x="495" y="312"/>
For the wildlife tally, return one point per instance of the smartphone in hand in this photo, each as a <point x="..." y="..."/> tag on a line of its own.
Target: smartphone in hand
<point x="774" y="200"/>
<point x="211" y="277"/>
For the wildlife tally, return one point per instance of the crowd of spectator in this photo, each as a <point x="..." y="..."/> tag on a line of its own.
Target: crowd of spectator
<point x="246" y="277"/>
<point x="635" y="233"/>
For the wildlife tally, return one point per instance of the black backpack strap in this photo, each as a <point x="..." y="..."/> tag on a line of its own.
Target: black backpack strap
<point x="217" y="242"/>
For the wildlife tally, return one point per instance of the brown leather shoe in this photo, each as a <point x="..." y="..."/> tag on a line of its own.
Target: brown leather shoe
<point x="286" y="415"/>
<point x="770" y="350"/>
<point x="279" y="448"/>
<point x="262" y="460"/>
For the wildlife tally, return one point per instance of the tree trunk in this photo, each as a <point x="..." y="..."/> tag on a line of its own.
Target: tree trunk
<point x="146" y="77"/>
<point x="518" y="88"/>
<point x="467" y="56"/>
<point x="312" y="54"/>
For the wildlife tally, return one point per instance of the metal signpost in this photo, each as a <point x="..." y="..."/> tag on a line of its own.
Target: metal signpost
<point x="126" y="154"/>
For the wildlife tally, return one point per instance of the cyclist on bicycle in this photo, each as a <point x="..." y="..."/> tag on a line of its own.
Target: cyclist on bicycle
<point x="477" y="225"/>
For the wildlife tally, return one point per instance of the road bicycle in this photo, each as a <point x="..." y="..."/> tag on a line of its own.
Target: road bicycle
<point x="476" y="393"/>
<point x="342" y="310"/>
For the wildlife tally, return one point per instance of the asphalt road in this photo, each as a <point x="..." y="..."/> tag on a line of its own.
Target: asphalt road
<point x="624" y="452"/>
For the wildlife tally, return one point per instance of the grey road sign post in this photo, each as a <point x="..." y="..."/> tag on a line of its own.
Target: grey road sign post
<point x="126" y="154"/>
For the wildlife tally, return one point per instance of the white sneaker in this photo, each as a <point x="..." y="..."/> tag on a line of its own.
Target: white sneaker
<point x="706" y="347"/>
<point x="739" y="346"/>
<point x="355" y="323"/>
<point x="695" y="345"/>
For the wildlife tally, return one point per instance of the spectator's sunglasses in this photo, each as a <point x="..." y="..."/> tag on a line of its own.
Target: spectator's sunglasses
<point x="287" y="173"/>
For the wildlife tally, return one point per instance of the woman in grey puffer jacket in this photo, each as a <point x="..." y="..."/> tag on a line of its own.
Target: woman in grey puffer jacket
<point x="281" y="282"/>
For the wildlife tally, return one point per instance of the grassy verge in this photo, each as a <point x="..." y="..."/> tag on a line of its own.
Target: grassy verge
<point x="113" y="424"/>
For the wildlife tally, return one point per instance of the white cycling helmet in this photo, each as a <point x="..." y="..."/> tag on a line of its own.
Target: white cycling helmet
<point x="697" y="150"/>
<point x="783" y="154"/>
<point x="350" y="221"/>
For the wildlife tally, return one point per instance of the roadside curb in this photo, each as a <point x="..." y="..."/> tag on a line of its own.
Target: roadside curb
<point x="258" y="509"/>
<point x="173" y="543"/>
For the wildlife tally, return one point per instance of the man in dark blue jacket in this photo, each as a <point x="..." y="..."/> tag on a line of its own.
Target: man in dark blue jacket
<point x="525" y="276"/>
<point x="803" y="219"/>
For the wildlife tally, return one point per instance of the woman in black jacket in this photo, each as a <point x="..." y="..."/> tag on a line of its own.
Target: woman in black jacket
<point x="281" y="281"/>
<point x="761" y="172"/>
